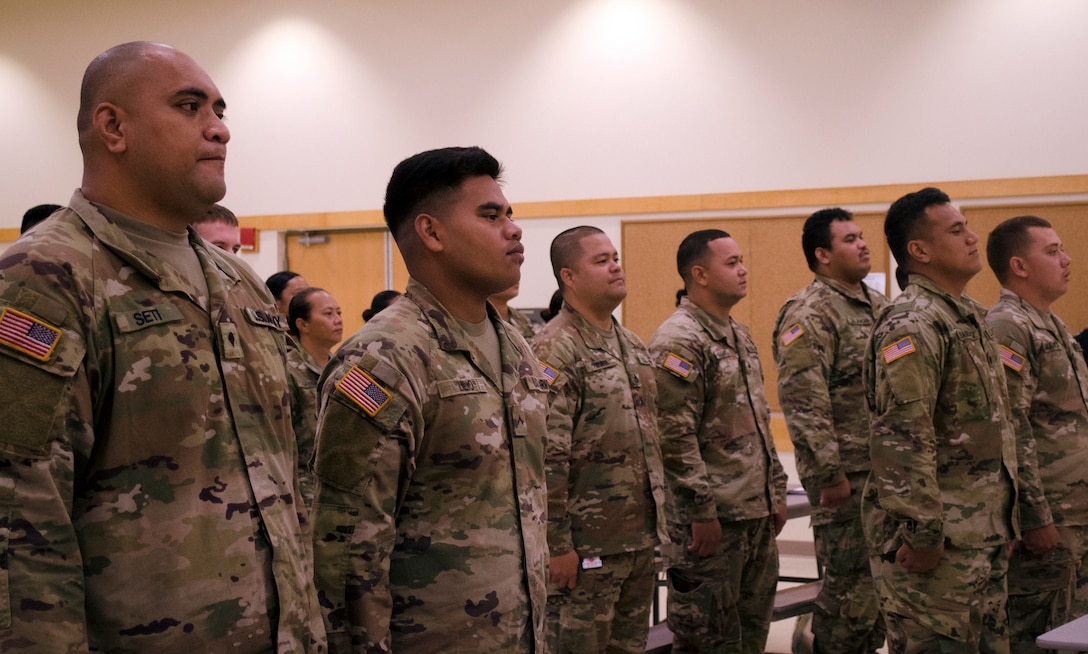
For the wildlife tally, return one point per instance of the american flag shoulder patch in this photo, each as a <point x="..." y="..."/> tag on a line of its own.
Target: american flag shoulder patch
<point x="792" y="334"/>
<point x="1011" y="358"/>
<point x="27" y="334"/>
<point x="550" y="374"/>
<point x="898" y="349"/>
<point x="676" y="365"/>
<point x="361" y="388"/>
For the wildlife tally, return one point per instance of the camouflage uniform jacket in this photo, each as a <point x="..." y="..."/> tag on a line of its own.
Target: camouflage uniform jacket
<point x="606" y="484"/>
<point x="523" y="324"/>
<point x="1048" y="390"/>
<point x="303" y="373"/>
<point x="943" y="447"/>
<point x="147" y="464"/>
<point x="819" y="346"/>
<point x="429" y="509"/>
<point x="720" y="458"/>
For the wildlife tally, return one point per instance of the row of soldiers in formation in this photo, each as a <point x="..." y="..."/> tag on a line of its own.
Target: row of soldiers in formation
<point x="473" y="494"/>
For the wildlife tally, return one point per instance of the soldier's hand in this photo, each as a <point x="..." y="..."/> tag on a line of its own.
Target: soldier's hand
<point x="779" y="518"/>
<point x="1041" y="541"/>
<point x="564" y="570"/>
<point x="835" y="494"/>
<point x="918" y="561"/>
<point x="705" y="537"/>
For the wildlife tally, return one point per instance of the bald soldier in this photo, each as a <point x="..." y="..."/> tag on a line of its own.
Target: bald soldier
<point x="1048" y="390"/>
<point x="147" y="461"/>
<point x="429" y="509"/>
<point x="940" y="503"/>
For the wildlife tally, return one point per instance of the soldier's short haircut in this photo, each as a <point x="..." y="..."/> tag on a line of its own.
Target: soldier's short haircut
<point x="817" y="232"/>
<point x="566" y="249"/>
<point x="693" y="249"/>
<point x="427" y="182"/>
<point x="1010" y="239"/>
<point x="901" y="225"/>
<point x="113" y="65"/>
<point x="218" y="214"/>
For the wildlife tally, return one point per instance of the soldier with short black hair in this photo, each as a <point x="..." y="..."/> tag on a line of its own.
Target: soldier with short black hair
<point x="728" y="487"/>
<point x="940" y="503"/>
<point x="819" y="346"/>
<point x="429" y="504"/>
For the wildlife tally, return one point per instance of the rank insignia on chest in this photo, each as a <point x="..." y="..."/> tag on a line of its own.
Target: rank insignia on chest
<point x="676" y="365"/>
<point x="898" y="349"/>
<point x="549" y="373"/>
<point x="1011" y="359"/>
<point x="27" y="334"/>
<point x="361" y="389"/>
<point x="792" y="334"/>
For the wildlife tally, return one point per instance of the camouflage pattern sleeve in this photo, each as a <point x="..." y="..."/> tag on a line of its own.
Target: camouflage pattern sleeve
<point x="359" y="464"/>
<point x="804" y="350"/>
<point x="903" y="355"/>
<point x="45" y="408"/>
<point x="564" y="406"/>
<point x="1014" y="338"/>
<point x="680" y="404"/>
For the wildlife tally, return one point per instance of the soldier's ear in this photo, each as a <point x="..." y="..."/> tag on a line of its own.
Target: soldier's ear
<point x="823" y="255"/>
<point x="1018" y="267"/>
<point x="429" y="231"/>
<point x="698" y="274"/>
<point x="108" y="123"/>
<point x="918" y="250"/>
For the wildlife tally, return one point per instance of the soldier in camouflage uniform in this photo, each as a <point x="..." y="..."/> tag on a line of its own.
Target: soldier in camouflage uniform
<point x="728" y="487"/>
<point x="147" y="464"/>
<point x="1048" y="390"/>
<point x="819" y="346"/>
<point x="429" y="511"/>
<point x="606" y="487"/>
<point x="315" y="325"/>
<point x="939" y="505"/>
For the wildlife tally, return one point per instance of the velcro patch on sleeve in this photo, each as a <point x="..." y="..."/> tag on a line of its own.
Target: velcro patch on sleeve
<point x="361" y="388"/>
<point x="898" y="349"/>
<point x="792" y="334"/>
<point x="27" y="334"/>
<point x="677" y="365"/>
<point x="549" y="373"/>
<point x="1011" y="358"/>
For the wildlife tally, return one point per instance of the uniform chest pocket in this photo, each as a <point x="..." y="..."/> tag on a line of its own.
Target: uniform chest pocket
<point x="966" y="390"/>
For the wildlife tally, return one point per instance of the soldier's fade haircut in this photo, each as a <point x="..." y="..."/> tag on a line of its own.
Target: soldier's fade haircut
<point x="693" y="249"/>
<point x="901" y="225"/>
<point x="566" y="249"/>
<point x="426" y="182"/>
<point x="1010" y="239"/>
<point x="817" y="232"/>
